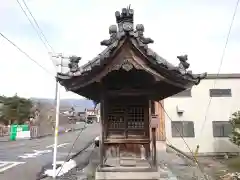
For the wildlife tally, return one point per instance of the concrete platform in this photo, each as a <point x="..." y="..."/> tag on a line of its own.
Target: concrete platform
<point x="159" y="174"/>
<point x="135" y="169"/>
<point x="127" y="175"/>
<point x="127" y="162"/>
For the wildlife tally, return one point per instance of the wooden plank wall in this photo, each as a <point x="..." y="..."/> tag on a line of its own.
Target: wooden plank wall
<point x="160" y="133"/>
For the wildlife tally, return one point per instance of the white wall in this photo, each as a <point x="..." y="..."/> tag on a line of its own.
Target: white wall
<point x="195" y="107"/>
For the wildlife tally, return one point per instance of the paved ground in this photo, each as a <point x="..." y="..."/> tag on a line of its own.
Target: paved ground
<point x="24" y="159"/>
<point x="172" y="166"/>
<point x="86" y="165"/>
<point x="181" y="168"/>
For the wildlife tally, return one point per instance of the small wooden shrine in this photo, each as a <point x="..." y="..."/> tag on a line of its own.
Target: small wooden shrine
<point x="125" y="78"/>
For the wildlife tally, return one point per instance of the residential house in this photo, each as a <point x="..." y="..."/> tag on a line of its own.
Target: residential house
<point x="93" y="113"/>
<point x="201" y="115"/>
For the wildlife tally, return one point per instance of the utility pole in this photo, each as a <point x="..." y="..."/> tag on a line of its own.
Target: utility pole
<point x="57" y="104"/>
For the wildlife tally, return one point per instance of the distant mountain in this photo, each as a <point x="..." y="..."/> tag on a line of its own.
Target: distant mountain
<point x="78" y="104"/>
<point x="42" y="100"/>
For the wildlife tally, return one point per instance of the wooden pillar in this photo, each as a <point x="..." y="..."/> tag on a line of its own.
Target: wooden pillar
<point x="101" y="144"/>
<point x="153" y="126"/>
<point x="149" y="134"/>
<point x="161" y="126"/>
<point x="154" y="147"/>
<point x="103" y="119"/>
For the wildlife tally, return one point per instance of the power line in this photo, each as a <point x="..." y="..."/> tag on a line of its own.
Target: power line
<point x="32" y="25"/>
<point x="176" y="128"/>
<point x="38" y="25"/>
<point x="45" y="43"/>
<point x="221" y="61"/>
<point x="167" y="140"/>
<point x="86" y="148"/>
<point x="69" y="152"/>
<point x="57" y="90"/>
<point x="29" y="57"/>
<point x="206" y="178"/>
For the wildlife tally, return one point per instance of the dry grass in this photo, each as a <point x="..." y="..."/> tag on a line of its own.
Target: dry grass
<point x="233" y="164"/>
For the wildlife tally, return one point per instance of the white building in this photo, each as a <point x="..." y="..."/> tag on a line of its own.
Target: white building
<point x="188" y="110"/>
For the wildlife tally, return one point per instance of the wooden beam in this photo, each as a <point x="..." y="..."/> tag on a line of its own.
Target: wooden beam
<point x="129" y="92"/>
<point x="128" y="169"/>
<point x="126" y="141"/>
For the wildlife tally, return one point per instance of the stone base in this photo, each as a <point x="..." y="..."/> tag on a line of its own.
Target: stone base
<point x="127" y="162"/>
<point x="127" y="175"/>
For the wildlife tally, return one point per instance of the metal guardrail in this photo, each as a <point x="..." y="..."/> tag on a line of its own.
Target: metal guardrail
<point x="4" y="131"/>
<point x="34" y="131"/>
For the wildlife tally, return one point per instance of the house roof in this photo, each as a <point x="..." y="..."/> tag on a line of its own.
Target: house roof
<point x="120" y="35"/>
<point x="224" y="76"/>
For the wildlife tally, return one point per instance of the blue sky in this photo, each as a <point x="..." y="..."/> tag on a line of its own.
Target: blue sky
<point x="76" y="27"/>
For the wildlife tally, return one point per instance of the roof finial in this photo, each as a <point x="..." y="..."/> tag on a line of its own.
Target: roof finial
<point x="125" y="19"/>
<point x="129" y="7"/>
<point x="125" y="16"/>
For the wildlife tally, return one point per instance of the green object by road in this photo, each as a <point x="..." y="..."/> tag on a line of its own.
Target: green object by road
<point x="17" y="128"/>
<point x="13" y="132"/>
<point x="24" y="127"/>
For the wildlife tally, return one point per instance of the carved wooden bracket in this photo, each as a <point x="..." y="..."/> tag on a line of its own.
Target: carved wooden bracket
<point x="127" y="65"/>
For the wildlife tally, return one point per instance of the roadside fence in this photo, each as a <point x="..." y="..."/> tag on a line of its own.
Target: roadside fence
<point x="34" y="131"/>
<point x="4" y="131"/>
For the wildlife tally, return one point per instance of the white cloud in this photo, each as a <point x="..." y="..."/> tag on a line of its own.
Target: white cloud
<point x="197" y="28"/>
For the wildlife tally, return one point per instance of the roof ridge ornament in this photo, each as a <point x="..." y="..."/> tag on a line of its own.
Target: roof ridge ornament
<point x="113" y="31"/>
<point x="73" y="65"/>
<point x="125" y="19"/>
<point x="183" y="65"/>
<point x="125" y="30"/>
<point x="139" y="35"/>
<point x="125" y="33"/>
<point x="125" y="26"/>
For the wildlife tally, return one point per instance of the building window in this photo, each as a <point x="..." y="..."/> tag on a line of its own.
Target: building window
<point x="183" y="129"/>
<point x="186" y="93"/>
<point x="221" y="128"/>
<point x="220" y="92"/>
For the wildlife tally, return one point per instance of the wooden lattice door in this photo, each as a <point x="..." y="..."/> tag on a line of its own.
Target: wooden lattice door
<point x="127" y="119"/>
<point x="135" y="117"/>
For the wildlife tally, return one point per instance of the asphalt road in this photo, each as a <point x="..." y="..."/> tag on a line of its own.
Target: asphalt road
<point x="22" y="160"/>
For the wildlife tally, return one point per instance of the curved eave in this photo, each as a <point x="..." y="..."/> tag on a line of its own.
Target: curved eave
<point x="61" y="76"/>
<point x="90" y="72"/>
<point x="172" y="74"/>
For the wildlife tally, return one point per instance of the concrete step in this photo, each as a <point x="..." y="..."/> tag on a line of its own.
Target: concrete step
<point x="127" y="176"/>
<point x="160" y="174"/>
